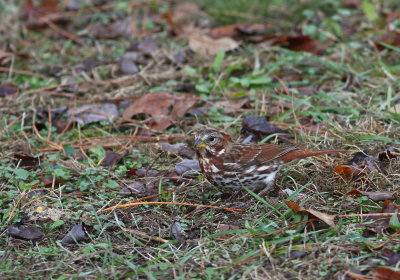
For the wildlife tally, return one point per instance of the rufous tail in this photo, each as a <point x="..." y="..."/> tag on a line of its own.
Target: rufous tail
<point x="299" y="154"/>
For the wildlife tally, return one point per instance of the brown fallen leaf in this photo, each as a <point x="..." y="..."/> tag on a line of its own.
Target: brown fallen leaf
<point x="8" y="89"/>
<point x="392" y="37"/>
<point x="326" y="218"/>
<point x="111" y="158"/>
<point x="381" y="222"/>
<point x="25" y="232"/>
<point x="387" y="155"/>
<point x="225" y="227"/>
<point x="5" y="56"/>
<point x="384" y="273"/>
<point x="92" y="113"/>
<point x="351" y="4"/>
<point x="148" y="45"/>
<point x="111" y="31"/>
<point x="191" y="166"/>
<point x="76" y="234"/>
<point x="297" y="43"/>
<point x="128" y="63"/>
<point x="38" y="16"/>
<point x="293" y="42"/>
<point x="181" y="16"/>
<point x="390" y="257"/>
<point x="157" y="104"/>
<point x="358" y="158"/>
<point x="207" y="46"/>
<point x="349" y="171"/>
<point x="230" y="105"/>
<point x="26" y="161"/>
<point x="180" y="149"/>
<point x="183" y="104"/>
<point x="375" y="196"/>
<point x="237" y="30"/>
<point x="259" y="125"/>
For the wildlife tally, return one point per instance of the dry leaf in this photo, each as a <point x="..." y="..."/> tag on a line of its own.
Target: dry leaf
<point x="230" y="105"/>
<point x="93" y="113"/>
<point x="157" y="104"/>
<point x="128" y="65"/>
<point x="111" y="158"/>
<point x="8" y="89"/>
<point x="5" y="56"/>
<point x="259" y="125"/>
<point x="237" y="30"/>
<point x="293" y="42"/>
<point x="381" y="222"/>
<point x="111" y="31"/>
<point x="207" y="46"/>
<point x="297" y="43"/>
<point x="348" y="170"/>
<point x="384" y="273"/>
<point x="46" y="11"/>
<point x="76" y="234"/>
<point x="187" y="165"/>
<point x="180" y="149"/>
<point x="390" y="38"/>
<point x="375" y="196"/>
<point x="181" y="17"/>
<point x="326" y="218"/>
<point x="25" y="232"/>
<point x="148" y="45"/>
<point x="387" y="155"/>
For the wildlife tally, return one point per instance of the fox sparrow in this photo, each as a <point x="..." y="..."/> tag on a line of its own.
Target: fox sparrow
<point x="232" y="165"/>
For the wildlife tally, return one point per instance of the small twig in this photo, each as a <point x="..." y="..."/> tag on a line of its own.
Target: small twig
<point x="32" y="201"/>
<point x="50" y="122"/>
<point x="23" y="72"/>
<point x="366" y="215"/>
<point x="130" y="140"/>
<point x="397" y="233"/>
<point x="51" y="144"/>
<point x="9" y="125"/>
<point x="19" y="200"/>
<point x="70" y="36"/>
<point x="145" y="235"/>
<point x="170" y="203"/>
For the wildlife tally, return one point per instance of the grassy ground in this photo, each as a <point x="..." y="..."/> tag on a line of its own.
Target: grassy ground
<point x="345" y="95"/>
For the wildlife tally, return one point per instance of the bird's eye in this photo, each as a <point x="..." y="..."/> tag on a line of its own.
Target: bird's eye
<point x="211" y="139"/>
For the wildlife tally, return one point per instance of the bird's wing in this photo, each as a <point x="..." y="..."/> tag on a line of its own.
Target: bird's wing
<point x="248" y="155"/>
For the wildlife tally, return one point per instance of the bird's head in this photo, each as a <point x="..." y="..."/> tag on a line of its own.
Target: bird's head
<point x="210" y="141"/>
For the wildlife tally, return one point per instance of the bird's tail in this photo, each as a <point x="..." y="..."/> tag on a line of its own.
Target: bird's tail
<point x="299" y="154"/>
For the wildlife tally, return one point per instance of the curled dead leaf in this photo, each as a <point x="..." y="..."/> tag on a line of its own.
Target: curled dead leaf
<point x="76" y="234"/>
<point x="237" y="30"/>
<point x="207" y="46"/>
<point x="326" y="218"/>
<point x="8" y="89"/>
<point x="348" y="170"/>
<point x="375" y="196"/>
<point x="381" y="222"/>
<point x="92" y="113"/>
<point x="25" y="232"/>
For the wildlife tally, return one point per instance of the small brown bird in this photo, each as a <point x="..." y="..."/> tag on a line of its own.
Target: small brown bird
<point x="233" y="165"/>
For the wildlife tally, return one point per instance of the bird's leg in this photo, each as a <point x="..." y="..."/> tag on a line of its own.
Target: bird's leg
<point x="267" y="188"/>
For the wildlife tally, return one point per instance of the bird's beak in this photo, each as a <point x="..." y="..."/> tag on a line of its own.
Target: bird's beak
<point x="199" y="144"/>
